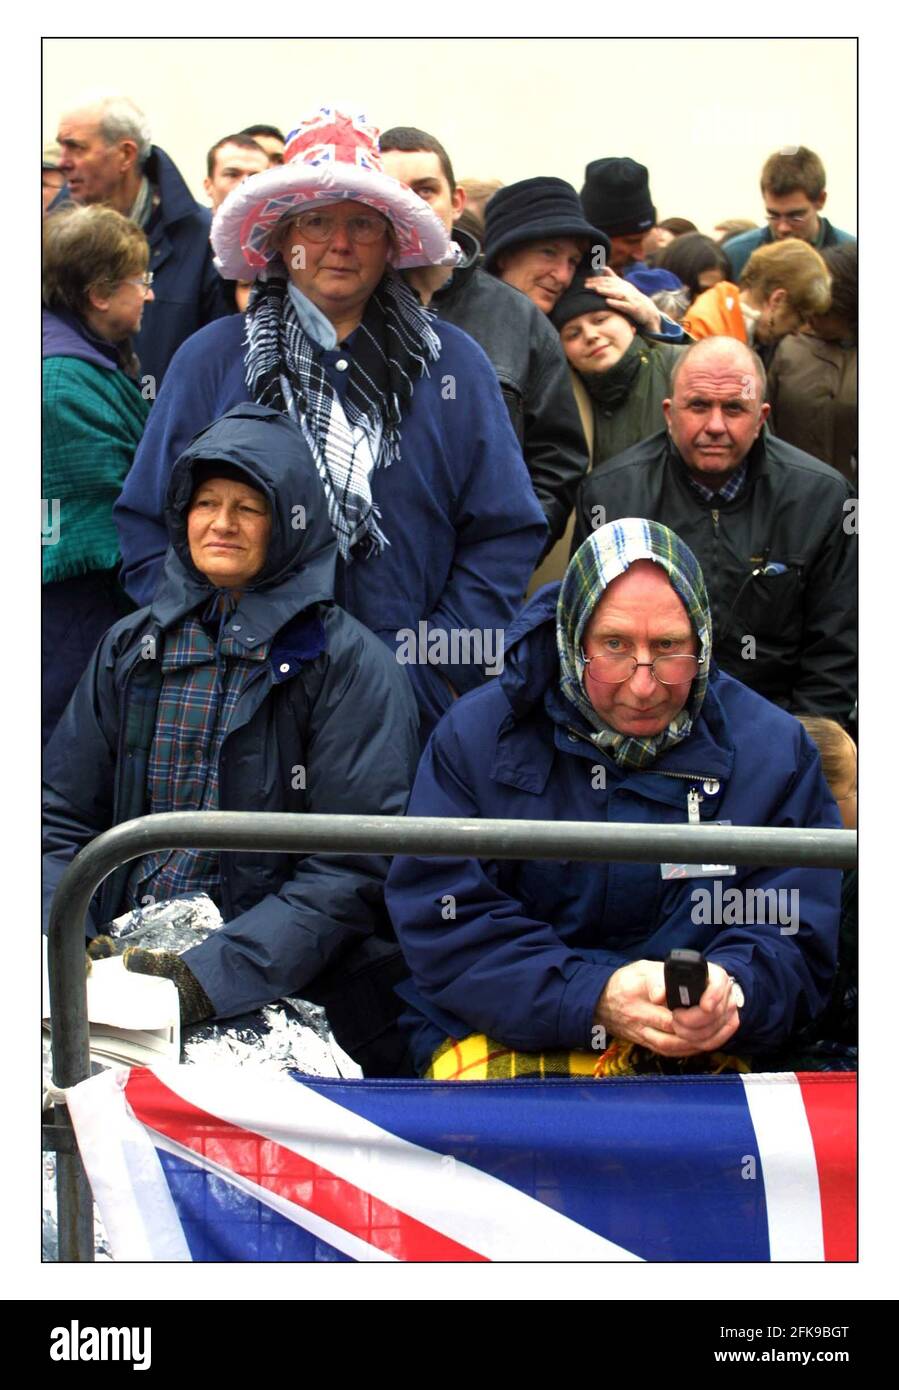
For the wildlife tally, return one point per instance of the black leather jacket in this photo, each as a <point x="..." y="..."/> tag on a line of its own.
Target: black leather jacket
<point x="792" y="520"/>
<point x="533" y="373"/>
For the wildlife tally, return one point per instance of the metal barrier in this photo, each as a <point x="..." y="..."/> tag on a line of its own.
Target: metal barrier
<point x="268" y="832"/>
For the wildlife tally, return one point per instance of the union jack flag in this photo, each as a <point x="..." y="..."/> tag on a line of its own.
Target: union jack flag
<point x="211" y="1163"/>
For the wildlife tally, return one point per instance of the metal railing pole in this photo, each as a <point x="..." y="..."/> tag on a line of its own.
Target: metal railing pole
<point x="268" y="832"/>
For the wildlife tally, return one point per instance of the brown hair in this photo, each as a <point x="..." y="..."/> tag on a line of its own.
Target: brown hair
<point x="791" y="168"/>
<point x="87" y="248"/>
<point x="678" y="226"/>
<point x="481" y="189"/>
<point x="408" y="139"/>
<point x="842" y="262"/>
<point x="242" y="141"/>
<point x="790" y="265"/>
<point x="838" y="752"/>
<point x="733" y="226"/>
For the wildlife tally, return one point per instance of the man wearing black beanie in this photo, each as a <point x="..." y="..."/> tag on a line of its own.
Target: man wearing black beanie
<point x="616" y="197"/>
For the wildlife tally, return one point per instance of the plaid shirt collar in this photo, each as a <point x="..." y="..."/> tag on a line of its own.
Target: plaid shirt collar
<point x="726" y="493"/>
<point x="189" y="644"/>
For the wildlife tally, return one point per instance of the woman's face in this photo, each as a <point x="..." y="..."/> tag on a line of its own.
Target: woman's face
<point x="228" y="530"/>
<point x="594" y="342"/>
<point x="338" y="272"/>
<point x="778" y="318"/>
<point x="706" y="279"/>
<point x="116" y="314"/>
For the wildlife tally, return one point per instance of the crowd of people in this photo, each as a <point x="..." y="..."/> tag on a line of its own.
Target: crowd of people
<point x="371" y="490"/>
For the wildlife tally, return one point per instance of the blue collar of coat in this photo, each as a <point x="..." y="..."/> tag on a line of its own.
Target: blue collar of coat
<point x="175" y="198"/>
<point x="528" y="740"/>
<point x="259" y="616"/>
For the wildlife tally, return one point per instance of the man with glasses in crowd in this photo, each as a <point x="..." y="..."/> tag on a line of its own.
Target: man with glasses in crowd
<point x="610" y="709"/>
<point x="794" y="187"/>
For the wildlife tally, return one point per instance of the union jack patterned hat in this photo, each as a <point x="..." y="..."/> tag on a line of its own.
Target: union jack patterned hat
<point x="328" y="158"/>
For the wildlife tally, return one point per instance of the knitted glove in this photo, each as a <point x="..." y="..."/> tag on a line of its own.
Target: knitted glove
<point x="193" y="999"/>
<point x="101" y="947"/>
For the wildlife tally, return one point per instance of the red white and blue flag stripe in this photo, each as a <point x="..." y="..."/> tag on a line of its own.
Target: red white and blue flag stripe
<point x="207" y="1163"/>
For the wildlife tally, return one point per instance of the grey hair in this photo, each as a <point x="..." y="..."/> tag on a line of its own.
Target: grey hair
<point x="119" y="118"/>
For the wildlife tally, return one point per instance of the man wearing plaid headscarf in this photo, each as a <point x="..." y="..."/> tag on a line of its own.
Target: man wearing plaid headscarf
<point x="610" y="709"/>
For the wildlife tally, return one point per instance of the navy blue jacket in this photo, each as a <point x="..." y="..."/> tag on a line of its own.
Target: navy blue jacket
<point x="532" y="944"/>
<point x="458" y="508"/>
<point x="188" y="291"/>
<point x="327" y="724"/>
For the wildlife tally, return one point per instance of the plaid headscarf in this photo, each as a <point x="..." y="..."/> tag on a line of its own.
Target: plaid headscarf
<point x="394" y="344"/>
<point x="607" y="553"/>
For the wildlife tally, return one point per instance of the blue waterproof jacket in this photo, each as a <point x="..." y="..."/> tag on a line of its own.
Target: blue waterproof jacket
<point x="522" y="950"/>
<point x="464" y="526"/>
<point x="327" y="724"/>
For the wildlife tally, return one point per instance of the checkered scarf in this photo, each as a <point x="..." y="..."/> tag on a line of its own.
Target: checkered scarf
<point x="604" y="555"/>
<point x="202" y="682"/>
<point x="394" y="344"/>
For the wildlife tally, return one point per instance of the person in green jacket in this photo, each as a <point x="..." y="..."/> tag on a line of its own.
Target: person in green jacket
<point x="94" y="287"/>
<point x="620" y="376"/>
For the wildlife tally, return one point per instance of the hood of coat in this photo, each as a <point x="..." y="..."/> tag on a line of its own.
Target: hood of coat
<point x="64" y="335"/>
<point x="271" y="451"/>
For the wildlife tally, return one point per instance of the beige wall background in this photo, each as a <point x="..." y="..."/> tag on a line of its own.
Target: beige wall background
<point x="702" y="114"/>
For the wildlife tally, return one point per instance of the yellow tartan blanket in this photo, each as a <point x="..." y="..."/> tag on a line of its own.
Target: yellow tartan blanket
<point x="479" y="1058"/>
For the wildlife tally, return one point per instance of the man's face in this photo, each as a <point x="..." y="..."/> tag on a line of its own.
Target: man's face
<point x="93" y="170"/>
<point x="542" y="270"/>
<point x="794" y="214"/>
<point x="655" y="240"/>
<point x="641" y="616"/>
<point x="228" y="530"/>
<point x="232" y="165"/>
<point x="594" y="342"/>
<point x="421" y="170"/>
<point x="626" y="250"/>
<point x="716" y="414"/>
<point x="274" y="148"/>
<point x="339" y="273"/>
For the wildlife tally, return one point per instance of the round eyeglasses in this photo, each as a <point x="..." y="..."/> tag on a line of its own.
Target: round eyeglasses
<point x="616" y="669"/>
<point x="363" y="228"/>
<point x="795" y="219"/>
<point x="144" y="282"/>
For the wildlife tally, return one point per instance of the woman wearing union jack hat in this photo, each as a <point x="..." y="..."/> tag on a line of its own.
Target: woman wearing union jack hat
<point x="432" y="507"/>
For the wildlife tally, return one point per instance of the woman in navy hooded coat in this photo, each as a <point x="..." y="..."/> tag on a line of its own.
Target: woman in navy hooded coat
<point x="266" y="697"/>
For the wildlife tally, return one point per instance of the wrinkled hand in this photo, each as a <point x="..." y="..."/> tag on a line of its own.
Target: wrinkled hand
<point x="632" y="1007"/>
<point x="626" y="298"/>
